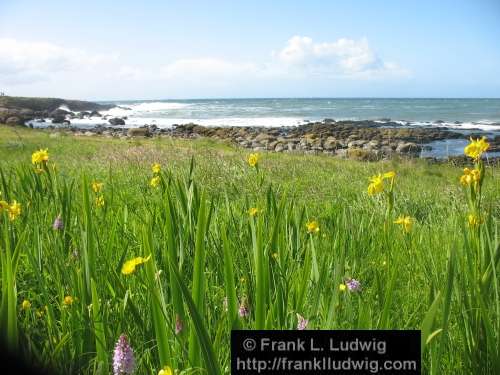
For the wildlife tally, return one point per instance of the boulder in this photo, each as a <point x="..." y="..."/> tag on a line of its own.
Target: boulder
<point x="408" y="148"/>
<point x="331" y="144"/>
<point x="60" y="112"/>
<point x="14" y="120"/>
<point x="138" y="132"/>
<point x="94" y="114"/>
<point x="60" y="119"/>
<point x="263" y="137"/>
<point x="116" y="121"/>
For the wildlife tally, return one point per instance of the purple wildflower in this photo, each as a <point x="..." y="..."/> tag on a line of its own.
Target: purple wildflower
<point x="179" y="325"/>
<point x="243" y="310"/>
<point x="353" y="285"/>
<point x="58" y="223"/>
<point x="302" y="322"/>
<point x="123" y="357"/>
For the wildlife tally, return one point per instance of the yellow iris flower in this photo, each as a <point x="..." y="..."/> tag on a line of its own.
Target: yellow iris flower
<point x="476" y="148"/>
<point x="26" y="305"/>
<point x="474" y="220"/>
<point x="14" y="210"/>
<point x="470" y="176"/>
<point x="99" y="201"/>
<point x="97" y="186"/>
<point x="253" y="211"/>
<point x="156" y="168"/>
<point x="155" y="181"/>
<point x="166" y="371"/>
<point x="130" y="265"/>
<point x="406" y="223"/>
<point x="253" y="160"/>
<point x="40" y="156"/>
<point x="312" y="227"/>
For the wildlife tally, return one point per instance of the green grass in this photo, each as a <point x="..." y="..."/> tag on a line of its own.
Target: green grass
<point x="208" y="254"/>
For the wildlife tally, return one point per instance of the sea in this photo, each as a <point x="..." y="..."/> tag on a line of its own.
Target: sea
<point x="470" y="116"/>
<point x="481" y="114"/>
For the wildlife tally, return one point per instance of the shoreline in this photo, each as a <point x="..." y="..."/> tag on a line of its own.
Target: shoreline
<point x="358" y="139"/>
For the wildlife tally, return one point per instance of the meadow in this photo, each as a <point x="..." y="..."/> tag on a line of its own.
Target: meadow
<point x="173" y="243"/>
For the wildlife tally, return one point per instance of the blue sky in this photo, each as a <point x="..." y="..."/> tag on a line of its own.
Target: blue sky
<point x="193" y="49"/>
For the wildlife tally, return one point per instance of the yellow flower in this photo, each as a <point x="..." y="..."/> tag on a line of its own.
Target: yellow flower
<point x="40" y="156"/>
<point x="26" y="305"/>
<point x="156" y="168"/>
<point x="390" y="175"/>
<point x="129" y="266"/>
<point x="155" y="181"/>
<point x="253" y="160"/>
<point x="312" y="227"/>
<point x="406" y="223"/>
<point x="476" y="148"/>
<point x="253" y="211"/>
<point x="342" y="287"/>
<point x="97" y="186"/>
<point x="376" y="184"/>
<point x="469" y="176"/>
<point x="166" y="371"/>
<point x="14" y="210"/>
<point x="68" y="301"/>
<point x="474" y="220"/>
<point x="99" y="201"/>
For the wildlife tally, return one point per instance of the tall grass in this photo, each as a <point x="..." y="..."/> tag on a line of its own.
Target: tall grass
<point x="207" y="258"/>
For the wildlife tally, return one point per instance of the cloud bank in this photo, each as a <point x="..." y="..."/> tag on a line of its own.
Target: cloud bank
<point x="29" y="63"/>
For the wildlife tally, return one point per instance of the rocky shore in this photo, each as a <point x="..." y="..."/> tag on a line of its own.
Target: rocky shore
<point x="17" y="110"/>
<point x="360" y="140"/>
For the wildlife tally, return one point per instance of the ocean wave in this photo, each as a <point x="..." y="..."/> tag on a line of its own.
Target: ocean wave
<point x="143" y="108"/>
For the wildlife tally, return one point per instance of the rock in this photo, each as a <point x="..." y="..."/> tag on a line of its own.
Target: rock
<point x="94" y="114"/>
<point x="279" y="147"/>
<point x="341" y="152"/>
<point x="261" y="137"/>
<point x="60" y="112"/>
<point x="138" y="132"/>
<point x="408" y="148"/>
<point x="116" y="121"/>
<point x="331" y="143"/>
<point x="14" y="120"/>
<point x="59" y="119"/>
<point x="356" y="144"/>
<point x="362" y="154"/>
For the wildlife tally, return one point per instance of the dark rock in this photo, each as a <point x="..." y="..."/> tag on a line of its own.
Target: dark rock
<point x="14" y="120"/>
<point x="59" y="119"/>
<point x="116" y="121"/>
<point x="94" y="114"/>
<point x="408" y="147"/>
<point x="59" y="112"/>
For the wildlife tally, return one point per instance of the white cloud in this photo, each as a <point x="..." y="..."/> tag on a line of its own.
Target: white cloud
<point x="51" y="69"/>
<point x="22" y="62"/>
<point x="341" y="58"/>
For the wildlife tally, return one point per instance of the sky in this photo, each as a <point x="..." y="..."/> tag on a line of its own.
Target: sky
<point x="128" y="49"/>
